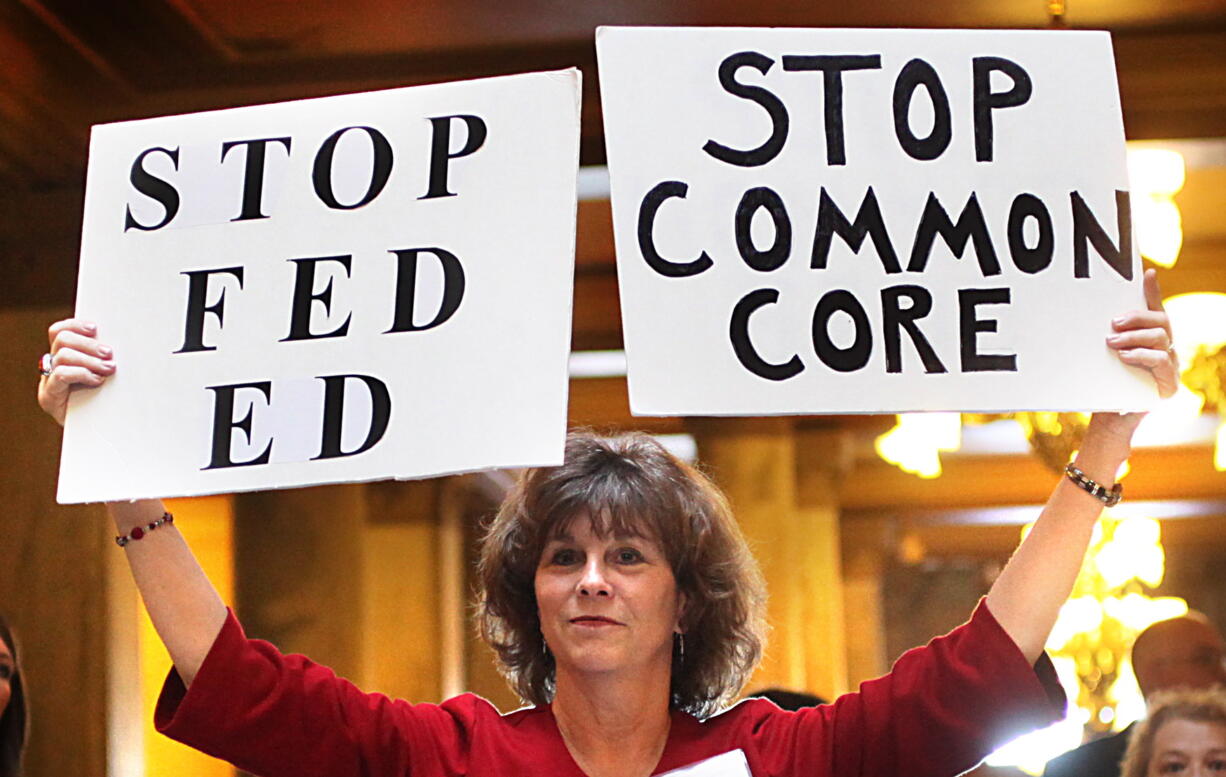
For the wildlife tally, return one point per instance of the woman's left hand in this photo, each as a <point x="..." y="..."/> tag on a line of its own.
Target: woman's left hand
<point x="1142" y="338"/>
<point x="1027" y="596"/>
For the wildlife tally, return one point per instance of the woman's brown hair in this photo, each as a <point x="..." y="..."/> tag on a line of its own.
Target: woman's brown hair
<point x="1203" y="706"/>
<point x="13" y="720"/>
<point x="627" y="484"/>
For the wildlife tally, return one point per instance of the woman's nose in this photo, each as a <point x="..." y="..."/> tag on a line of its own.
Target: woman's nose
<point x="593" y="582"/>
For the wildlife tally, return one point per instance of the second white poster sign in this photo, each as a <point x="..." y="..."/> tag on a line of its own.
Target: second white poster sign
<point x="814" y="221"/>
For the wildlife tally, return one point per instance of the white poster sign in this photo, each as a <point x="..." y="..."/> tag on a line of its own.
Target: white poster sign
<point x="843" y="221"/>
<point x="730" y="764"/>
<point x="339" y="289"/>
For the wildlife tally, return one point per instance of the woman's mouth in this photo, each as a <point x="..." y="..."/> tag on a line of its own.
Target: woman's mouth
<point x="595" y="620"/>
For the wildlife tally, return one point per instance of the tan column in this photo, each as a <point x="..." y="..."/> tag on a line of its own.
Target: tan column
<point x="822" y="459"/>
<point x="298" y="558"/>
<point x="866" y="544"/>
<point x="764" y="466"/>
<point x="402" y="640"/>
<point x="349" y="576"/>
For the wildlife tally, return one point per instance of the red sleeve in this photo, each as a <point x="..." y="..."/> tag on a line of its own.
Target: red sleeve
<point x="283" y="716"/>
<point x="940" y="710"/>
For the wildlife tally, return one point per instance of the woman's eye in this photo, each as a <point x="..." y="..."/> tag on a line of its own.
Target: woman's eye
<point x="1217" y="765"/>
<point x="629" y="556"/>
<point x="1170" y="768"/>
<point x="6" y="672"/>
<point x="565" y="557"/>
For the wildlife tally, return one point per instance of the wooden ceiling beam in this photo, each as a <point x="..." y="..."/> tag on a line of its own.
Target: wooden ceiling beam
<point x="52" y="19"/>
<point x="604" y="404"/>
<point x="594" y="242"/>
<point x="1172" y="81"/>
<point x="1201" y="267"/>
<point x="596" y="317"/>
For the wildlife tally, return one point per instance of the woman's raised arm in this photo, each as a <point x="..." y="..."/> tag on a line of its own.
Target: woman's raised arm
<point x="1027" y="596"/>
<point x="185" y="608"/>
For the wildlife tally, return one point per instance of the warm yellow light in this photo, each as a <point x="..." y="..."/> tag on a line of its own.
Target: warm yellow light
<point x="1137" y="611"/>
<point x="1079" y="615"/>
<point x="1198" y="320"/>
<point x="1168" y="422"/>
<point x="1138" y="533"/>
<point x="1155" y="171"/>
<point x="1159" y="229"/>
<point x="915" y="442"/>
<point x="1155" y="175"/>
<point x="1093" y="632"/>
<point x="1133" y="552"/>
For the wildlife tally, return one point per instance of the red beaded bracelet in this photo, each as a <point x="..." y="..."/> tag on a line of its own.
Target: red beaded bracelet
<point x="141" y="531"/>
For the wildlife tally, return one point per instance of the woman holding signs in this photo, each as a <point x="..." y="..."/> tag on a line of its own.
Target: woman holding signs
<point x="624" y="606"/>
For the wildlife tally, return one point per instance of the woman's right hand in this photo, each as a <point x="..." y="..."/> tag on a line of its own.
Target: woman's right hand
<point x="77" y="359"/>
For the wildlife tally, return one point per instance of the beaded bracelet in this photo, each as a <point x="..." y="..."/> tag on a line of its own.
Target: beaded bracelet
<point x="141" y="531"/>
<point x="1108" y="496"/>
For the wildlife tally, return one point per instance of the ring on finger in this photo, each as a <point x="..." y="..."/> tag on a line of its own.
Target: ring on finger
<point x="44" y="365"/>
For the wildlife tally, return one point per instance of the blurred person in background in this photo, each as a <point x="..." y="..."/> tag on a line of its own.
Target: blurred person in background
<point x="12" y="706"/>
<point x="1185" y="734"/>
<point x="1184" y="652"/>
<point x="788" y="700"/>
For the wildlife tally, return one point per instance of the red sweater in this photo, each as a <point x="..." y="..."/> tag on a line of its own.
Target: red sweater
<point x="941" y="709"/>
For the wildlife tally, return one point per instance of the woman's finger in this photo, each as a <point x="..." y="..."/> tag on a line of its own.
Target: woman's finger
<point x="1153" y="316"/>
<point x="72" y="357"/>
<point x="1142" y="319"/>
<point x="77" y="360"/>
<point x="1161" y="365"/>
<point x="53" y="389"/>
<point x="73" y="340"/>
<point x="64" y="377"/>
<point x="78" y="325"/>
<point x="1153" y="294"/>
<point x="1155" y="338"/>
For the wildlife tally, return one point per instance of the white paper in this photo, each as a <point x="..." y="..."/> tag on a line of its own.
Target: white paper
<point x="729" y="764"/>
<point x="663" y="102"/>
<point x="485" y="388"/>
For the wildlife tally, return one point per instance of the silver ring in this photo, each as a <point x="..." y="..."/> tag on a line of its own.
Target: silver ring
<point x="44" y="365"/>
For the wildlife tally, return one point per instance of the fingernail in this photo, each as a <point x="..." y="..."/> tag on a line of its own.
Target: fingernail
<point x="1117" y="321"/>
<point x="104" y="352"/>
<point x="91" y="326"/>
<point x="1113" y="339"/>
<point x="108" y="366"/>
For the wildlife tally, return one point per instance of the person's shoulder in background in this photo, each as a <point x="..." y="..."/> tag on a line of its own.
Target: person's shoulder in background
<point x="1100" y="758"/>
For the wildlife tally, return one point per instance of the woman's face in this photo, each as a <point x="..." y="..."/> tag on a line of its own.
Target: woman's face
<point x="606" y="604"/>
<point x="8" y="668"/>
<point x="1189" y="748"/>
